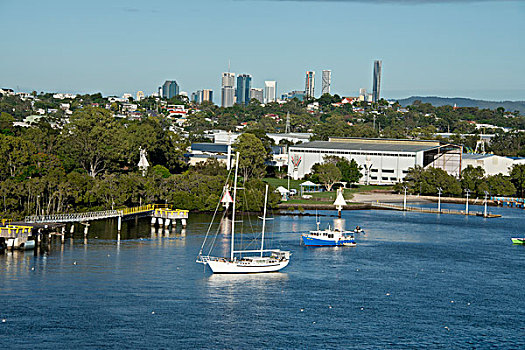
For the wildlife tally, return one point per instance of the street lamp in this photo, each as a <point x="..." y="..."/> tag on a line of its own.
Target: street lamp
<point x="466" y="207"/>
<point x="405" y="198"/>
<point x="440" y="190"/>
<point x="486" y="195"/>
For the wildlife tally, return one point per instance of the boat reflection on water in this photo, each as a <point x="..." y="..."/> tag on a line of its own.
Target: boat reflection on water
<point x="254" y="280"/>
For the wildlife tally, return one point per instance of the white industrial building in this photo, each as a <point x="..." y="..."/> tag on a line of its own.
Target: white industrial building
<point x="383" y="161"/>
<point x="491" y="163"/>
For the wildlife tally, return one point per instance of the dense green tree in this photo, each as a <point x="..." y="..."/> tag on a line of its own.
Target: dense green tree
<point x="350" y="170"/>
<point x="472" y="179"/>
<point x="499" y="185"/>
<point x="252" y="156"/>
<point x="6" y="124"/>
<point x="328" y="174"/>
<point x="517" y="176"/>
<point x="91" y="140"/>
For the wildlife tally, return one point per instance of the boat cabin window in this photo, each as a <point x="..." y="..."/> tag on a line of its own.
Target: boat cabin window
<point x="331" y="236"/>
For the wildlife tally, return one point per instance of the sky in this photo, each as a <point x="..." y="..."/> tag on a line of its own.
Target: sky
<point x="462" y="48"/>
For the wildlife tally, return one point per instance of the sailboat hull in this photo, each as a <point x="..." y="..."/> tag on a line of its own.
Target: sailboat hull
<point x="225" y="266"/>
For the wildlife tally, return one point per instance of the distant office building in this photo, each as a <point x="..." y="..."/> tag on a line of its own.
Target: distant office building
<point x="327" y="79"/>
<point x="227" y="89"/>
<point x="244" y="82"/>
<point x="309" y="87"/>
<point x="196" y="97"/>
<point x="140" y="95"/>
<point x="376" y="89"/>
<point x="170" y="89"/>
<point x="257" y="94"/>
<point x="270" y="91"/>
<point x="200" y="96"/>
<point x="300" y="95"/>
<point x="207" y="95"/>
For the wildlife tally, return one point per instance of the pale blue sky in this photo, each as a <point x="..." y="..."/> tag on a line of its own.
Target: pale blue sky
<point x="446" y="48"/>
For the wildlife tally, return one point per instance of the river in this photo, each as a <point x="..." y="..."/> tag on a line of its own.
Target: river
<point x="414" y="281"/>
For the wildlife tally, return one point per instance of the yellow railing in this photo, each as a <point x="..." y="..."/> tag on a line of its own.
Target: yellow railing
<point x="135" y="210"/>
<point x="5" y="221"/>
<point x="172" y="213"/>
<point x="15" y="230"/>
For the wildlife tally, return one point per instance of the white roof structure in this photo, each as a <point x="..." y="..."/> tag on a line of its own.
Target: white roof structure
<point x="282" y="190"/>
<point x="309" y="183"/>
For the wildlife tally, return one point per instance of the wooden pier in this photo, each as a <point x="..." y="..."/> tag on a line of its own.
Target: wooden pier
<point x="39" y="227"/>
<point x="389" y="206"/>
<point x="166" y="216"/>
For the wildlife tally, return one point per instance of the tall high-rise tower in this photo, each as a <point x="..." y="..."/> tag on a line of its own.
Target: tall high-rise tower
<point x="270" y="91"/>
<point x="376" y="88"/>
<point x="244" y="84"/>
<point x="228" y="89"/>
<point x="170" y="89"/>
<point x="327" y="79"/>
<point x="309" y="87"/>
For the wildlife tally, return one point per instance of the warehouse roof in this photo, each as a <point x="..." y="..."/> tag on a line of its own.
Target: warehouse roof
<point x="369" y="146"/>
<point x="480" y="156"/>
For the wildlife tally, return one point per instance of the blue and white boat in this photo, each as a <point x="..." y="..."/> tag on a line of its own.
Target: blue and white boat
<point x="329" y="238"/>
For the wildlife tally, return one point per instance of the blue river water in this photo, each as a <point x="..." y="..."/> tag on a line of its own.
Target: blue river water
<point x="413" y="281"/>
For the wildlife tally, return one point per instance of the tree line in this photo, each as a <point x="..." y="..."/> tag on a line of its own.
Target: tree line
<point x="473" y="179"/>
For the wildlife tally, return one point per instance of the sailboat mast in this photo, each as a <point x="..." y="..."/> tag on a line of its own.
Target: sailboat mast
<point x="234" y="200"/>
<point x="264" y="219"/>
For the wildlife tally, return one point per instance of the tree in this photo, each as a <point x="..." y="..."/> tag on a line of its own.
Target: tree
<point x="432" y="178"/>
<point x="91" y="140"/>
<point x="517" y="176"/>
<point x="500" y="185"/>
<point x="252" y="156"/>
<point x="350" y="170"/>
<point x="472" y="179"/>
<point x="328" y="174"/>
<point x="6" y="123"/>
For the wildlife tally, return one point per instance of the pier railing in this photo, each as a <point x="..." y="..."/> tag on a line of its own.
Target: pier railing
<point x="431" y="210"/>
<point x="160" y="210"/>
<point x="12" y="231"/>
<point x="73" y="217"/>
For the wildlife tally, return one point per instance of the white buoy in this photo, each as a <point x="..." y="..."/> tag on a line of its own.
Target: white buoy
<point x="153" y="220"/>
<point x="160" y="221"/>
<point x="167" y="223"/>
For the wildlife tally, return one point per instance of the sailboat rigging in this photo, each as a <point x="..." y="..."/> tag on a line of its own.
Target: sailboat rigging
<point x="245" y="261"/>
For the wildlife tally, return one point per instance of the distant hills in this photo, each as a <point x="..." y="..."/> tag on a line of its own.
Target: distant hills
<point x="509" y="106"/>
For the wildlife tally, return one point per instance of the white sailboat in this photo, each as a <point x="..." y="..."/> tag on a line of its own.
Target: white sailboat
<point x="246" y="261"/>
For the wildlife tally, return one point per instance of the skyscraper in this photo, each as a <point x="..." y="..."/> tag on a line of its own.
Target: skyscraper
<point x="244" y="83"/>
<point x="228" y="89"/>
<point x="270" y="91"/>
<point x="376" y="88"/>
<point x="256" y="94"/>
<point x="170" y="89"/>
<point x="207" y="95"/>
<point x="327" y="79"/>
<point x="309" y="88"/>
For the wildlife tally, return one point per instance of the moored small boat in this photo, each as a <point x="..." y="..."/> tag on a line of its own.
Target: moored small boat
<point x="28" y="245"/>
<point x="329" y="238"/>
<point x="518" y="240"/>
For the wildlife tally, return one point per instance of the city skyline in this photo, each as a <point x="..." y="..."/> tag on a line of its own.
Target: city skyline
<point x="464" y="48"/>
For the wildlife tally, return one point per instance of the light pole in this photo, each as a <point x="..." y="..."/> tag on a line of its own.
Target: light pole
<point x="440" y="190"/>
<point x="466" y="207"/>
<point x="405" y="198"/>
<point x="486" y="195"/>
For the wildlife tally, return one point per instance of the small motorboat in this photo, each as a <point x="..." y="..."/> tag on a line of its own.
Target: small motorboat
<point x="358" y="230"/>
<point x="28" y="245"/>
<point x="518" y="240"/>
